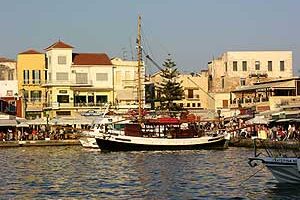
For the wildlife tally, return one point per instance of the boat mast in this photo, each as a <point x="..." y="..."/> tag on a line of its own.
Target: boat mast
<point x="139" y="51"/>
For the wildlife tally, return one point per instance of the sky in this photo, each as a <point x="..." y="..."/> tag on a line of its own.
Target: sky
<point x="191" y="31"/>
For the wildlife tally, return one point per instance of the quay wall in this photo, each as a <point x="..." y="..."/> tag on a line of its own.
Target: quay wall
<point x="39" y="143"/>
<point x="248" y="143"/>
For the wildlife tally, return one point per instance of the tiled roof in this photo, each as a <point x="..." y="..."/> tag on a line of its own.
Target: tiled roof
<point x="30" y="51"/>
<point x="2" y="59"/>
<point x="91" y="59"/>
<point x="59" y="45"/>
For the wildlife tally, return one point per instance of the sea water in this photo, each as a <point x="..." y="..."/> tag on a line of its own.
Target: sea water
<point x="76" y="173"/>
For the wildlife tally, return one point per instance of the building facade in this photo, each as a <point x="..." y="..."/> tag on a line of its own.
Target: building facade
<point x="125" y="83"/>
<point x="242" y="68"/>
<point x="9" y="87"/>
<point x="31" y="71"/>
<point x="77" y="82"/>
<point x="195" y="86"/>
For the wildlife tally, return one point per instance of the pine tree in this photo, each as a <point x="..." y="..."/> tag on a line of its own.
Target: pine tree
<point x="169" y="89"/>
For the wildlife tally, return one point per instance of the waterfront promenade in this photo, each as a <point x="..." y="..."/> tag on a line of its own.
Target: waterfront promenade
<point x="234" y="142"/>
<point x="29" y="143"/>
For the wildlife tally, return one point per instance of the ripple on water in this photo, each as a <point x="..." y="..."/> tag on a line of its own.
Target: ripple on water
<point x="74" y="173"/>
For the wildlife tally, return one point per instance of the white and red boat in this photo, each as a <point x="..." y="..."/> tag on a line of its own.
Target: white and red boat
<point x="157" y="134"/>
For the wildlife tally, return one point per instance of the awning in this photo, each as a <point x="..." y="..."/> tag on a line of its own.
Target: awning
<point x="8" y="122"/>
<point x="22" y="124"/>
<point x="288" y="120"/>
<point x="37" y="121"/>
<point x="278" y="85"/>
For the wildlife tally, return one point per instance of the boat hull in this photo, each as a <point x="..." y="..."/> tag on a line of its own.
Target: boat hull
<point x="151" y="144"/>
<point x="285" y="170"/>
<point x="89" y="142"/>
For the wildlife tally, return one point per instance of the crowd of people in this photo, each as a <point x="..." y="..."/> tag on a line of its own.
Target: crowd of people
<point x="239" y="128"/>
<point x="33" y="134"/>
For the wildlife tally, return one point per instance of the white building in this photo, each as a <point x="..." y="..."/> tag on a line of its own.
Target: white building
<point x="77" y="82"/>
<point x="126" y="83"/>
<point x="234" y="69"/>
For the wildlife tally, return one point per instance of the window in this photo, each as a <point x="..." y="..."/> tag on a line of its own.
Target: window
<point x="127" y="75"/>
<point x="244" y="65"/>
<point x="281" y="66"/>
<point x="81" y="78"/>
<point x="26" y="76"/>
<point x="199" y="104"/>
<point x="181" y="105"/>
<point x="36" y="76"/>
<point x="269" y="65"/>
<point x="194" y="105"/>
<point x="118" y="78"/>
<point x="298" y="88"/>
<point x="63" y="98"/>
<point x="61" y="113"/>
<point x="63" y="91"/>
<point x="101" y="99"/>
<point x="9" y="93"/>
<point x="234" y="66"/>
<point x="62" y="76"/>
<point x="49" y="60"/>
<point x="188" y="105"/>
<point x="62" y="60"/>
<point x="25" y="94"/>
<point x="243" y="81"/>
<point x="223" y="82"/>
<point x="101" y="77"/>
<point x="10" y="75"/>
<point x="225" y="66"/>
<point x="36" y="95"/>
<point x="46" y="77"/>
<point x="190" y="93"/>
<point x="257" y="65"/>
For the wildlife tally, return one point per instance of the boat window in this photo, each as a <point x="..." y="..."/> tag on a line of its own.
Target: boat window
<point x="119" y="126"/>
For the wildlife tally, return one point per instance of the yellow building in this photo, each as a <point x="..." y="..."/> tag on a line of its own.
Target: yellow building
<point x="31" y="73"/>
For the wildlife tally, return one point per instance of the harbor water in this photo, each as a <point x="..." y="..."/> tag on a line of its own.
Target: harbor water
<point x="72" y="172"/>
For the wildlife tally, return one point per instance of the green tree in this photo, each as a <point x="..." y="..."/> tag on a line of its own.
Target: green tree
<point x="169" y="89"/>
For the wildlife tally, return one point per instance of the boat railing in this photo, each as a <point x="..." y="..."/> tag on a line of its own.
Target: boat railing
<point x="273" y="149"/>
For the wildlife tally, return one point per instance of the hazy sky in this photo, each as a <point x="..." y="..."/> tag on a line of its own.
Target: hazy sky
<point x="192" y="31"/>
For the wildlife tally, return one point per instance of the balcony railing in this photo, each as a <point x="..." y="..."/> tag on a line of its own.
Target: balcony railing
<point x="194" y="97"/>
<point x="68" y="82"/>
<point x="247" y="101"/>
<point x="258" y="74"/>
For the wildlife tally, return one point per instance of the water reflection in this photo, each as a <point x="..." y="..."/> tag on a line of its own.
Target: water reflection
<point x="73" y="172"/>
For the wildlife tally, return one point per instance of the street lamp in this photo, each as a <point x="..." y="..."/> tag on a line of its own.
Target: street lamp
<point x="24" y="102"/>
<point x="47" y="120"/>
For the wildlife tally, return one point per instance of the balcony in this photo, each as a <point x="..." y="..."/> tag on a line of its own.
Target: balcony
<point x="258" y="74"/>
<point x="192" y="97"/>
<point x="72" y="83"/>
<point x="130" y="83"/>
<point x="249" y="102"/>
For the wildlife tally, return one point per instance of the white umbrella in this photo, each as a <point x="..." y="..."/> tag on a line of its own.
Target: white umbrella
<point x="257" y="120"/>
<point x="22" y="124"/>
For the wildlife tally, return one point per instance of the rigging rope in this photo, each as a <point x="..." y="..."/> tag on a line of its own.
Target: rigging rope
<point x="263" y="166"/>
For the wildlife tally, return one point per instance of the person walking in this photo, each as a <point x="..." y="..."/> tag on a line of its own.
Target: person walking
<point x="34" y="134"/>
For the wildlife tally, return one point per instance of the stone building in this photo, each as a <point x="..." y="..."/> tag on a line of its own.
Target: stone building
<point x="243" y="68"/>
